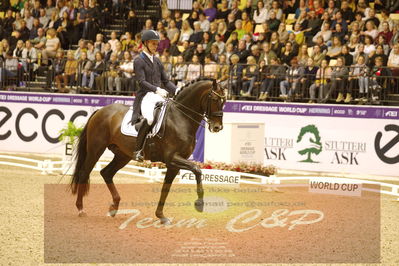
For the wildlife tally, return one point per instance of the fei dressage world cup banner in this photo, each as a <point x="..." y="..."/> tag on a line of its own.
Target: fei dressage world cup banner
<point x="328" y="138"/>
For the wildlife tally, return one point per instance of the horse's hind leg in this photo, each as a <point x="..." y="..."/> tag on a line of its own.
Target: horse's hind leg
<point x="108" y="173"/>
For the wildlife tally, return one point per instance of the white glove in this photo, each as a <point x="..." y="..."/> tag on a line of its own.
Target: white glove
<point x="161" y="92"/>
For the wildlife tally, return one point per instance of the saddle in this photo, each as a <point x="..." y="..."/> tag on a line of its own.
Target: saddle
<point x="129" y="129"/>
<point x="157" y="112"/>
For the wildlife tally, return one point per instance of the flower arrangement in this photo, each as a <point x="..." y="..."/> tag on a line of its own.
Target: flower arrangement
<point x="71" y="132"/>
<point x="251" y="168"/>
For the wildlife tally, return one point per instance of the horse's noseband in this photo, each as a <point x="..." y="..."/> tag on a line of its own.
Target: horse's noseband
<point x="211" y="94"/>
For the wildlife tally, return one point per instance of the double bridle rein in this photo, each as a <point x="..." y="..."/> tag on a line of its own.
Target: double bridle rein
<point x="208" y="112"/>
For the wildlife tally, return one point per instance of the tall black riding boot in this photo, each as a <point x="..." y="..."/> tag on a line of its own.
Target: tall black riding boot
<point x="143" y="132"/>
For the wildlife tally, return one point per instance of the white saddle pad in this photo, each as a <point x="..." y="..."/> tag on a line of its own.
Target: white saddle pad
<point x="130" y="130"/>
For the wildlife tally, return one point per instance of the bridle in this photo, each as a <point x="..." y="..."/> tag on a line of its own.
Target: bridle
<point x="208" y="110"/>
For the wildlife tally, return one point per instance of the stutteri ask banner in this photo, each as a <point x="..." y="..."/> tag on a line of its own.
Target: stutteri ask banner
<point x="343" y="139"/>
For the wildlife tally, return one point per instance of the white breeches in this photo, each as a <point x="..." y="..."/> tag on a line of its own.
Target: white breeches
<point x="148" y="105"/>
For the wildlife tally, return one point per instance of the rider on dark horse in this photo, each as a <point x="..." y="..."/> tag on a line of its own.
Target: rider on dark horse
<point x="154" y="87"/>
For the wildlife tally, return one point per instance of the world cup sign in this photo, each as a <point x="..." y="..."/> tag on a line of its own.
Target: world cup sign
<point x="239" y="224"/>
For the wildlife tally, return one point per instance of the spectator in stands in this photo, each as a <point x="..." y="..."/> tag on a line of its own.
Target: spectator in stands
<point x="29" y="57"/>
<point x="371" y="17"/>
<point x="282" y="33"/>
<point x="334" y="51"/>
<point x="369" y="47"/>
<point x="200" y="53"/>
<point x="359" y="52"/>
<point x="222" y="12"/>
<point x="35" y="27"/>
<point x="345" y="53"/>
<point x="303" y="55"/>
<point x="203" y="22"/>
<point x="97" y="69"/>
<point x="118" y="51"/>
<point x="84" y="66"/>
<point x="194" y="68"/>
<point x="317" y="8"/>
<point x="309" y="76"/>
<point x="82" y="47"/>
<point x="247" y="25"/>
<point x="325" y="33"/>
<point x="180" y="71"/>
<point x="288" y="54"/>
<point x="379" y="52"/>
<point x="250" y="75"/>
<point x="235" y="11"/>
<point x="267" y="54"/>
<point x="196" y="36"/>
<point x="321" y="83"/>
<point x="386" y="32"/>
<point x="290" y="85"/>
<point x="124" y="80"/>
<point x="223" y="71"/>
<point x="52" y="45"/>
<point x="53" y="22"/>
<point x="242" y="52"/>
<point x="273" y="22"/>
<point x="346" y="11"/>
<point x="25" y="32"/>
<point x="210" y="67"/>
<point x="113" y="41"/>
<point x="317" y="56"/>
<point x="301" y="8"/>
<point x="260" y="13"/>
<point x="379" y="75"/>
<point x="339" y="76"/>
<point x="270" y="76"/>
<point x="50" y="9"/>
<point x="235" y="76"/>
<point x="17" y="53"/>
<point x="210" y="12"/>
<point x="132" y="23"/>
<point x="40" y="41"/>
<point x="113" y="72"/>
<point x="58" y="69"/>
<point x="64" y="30"/>
<point x="331" y="9"/>
<point x="173" y="33"/>
<point x="127" y="41"/>
<point x="99" y="43"/>
<point x="276" y="9"/>
<point x="370" y="30"/>
<point x="10" y="69"/>
<point x="8" y="23"/>
<point x="312" y="28"/>
<point x="239" y="30"/>
<point x="91" y="51"/>
<point x="393" y="60"/>
<point x="28" y="19"/>
<point x="43" y="19"/>
<point x="186" y="32"/>
<point x="358" y="78"/>
<point x="69" y="75"/>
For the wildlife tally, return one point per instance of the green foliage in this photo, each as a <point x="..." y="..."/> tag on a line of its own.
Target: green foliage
<point x="71" y="131"/>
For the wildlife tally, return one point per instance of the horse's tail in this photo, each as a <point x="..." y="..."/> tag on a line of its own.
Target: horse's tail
<point x="80" y="157"/>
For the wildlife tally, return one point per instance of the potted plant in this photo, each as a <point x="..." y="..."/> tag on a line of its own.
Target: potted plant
<point x="69" y="136"/>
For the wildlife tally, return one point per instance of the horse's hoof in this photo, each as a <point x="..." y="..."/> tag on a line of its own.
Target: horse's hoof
<point x="165" y="221"/>
<point x="112" y="211"/>
<point x="199" y="205"/>
<point x="82" y="213"/>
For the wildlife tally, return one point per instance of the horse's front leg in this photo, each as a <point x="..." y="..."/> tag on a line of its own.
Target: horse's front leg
<point x="167" y="183"/>
<point x="182" y="163"/>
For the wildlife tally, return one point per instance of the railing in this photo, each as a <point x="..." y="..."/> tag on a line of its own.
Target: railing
<point x="241" y="81"/>
<point x="49" y="166"/>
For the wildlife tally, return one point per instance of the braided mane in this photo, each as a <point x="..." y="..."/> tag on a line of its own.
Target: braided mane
<point x="191" y="83"/>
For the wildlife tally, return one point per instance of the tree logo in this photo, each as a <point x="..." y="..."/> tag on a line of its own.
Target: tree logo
<point x="309" y="139"/>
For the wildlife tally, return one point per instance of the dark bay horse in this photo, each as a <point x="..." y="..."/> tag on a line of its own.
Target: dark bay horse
<point x="201" y="99"/>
